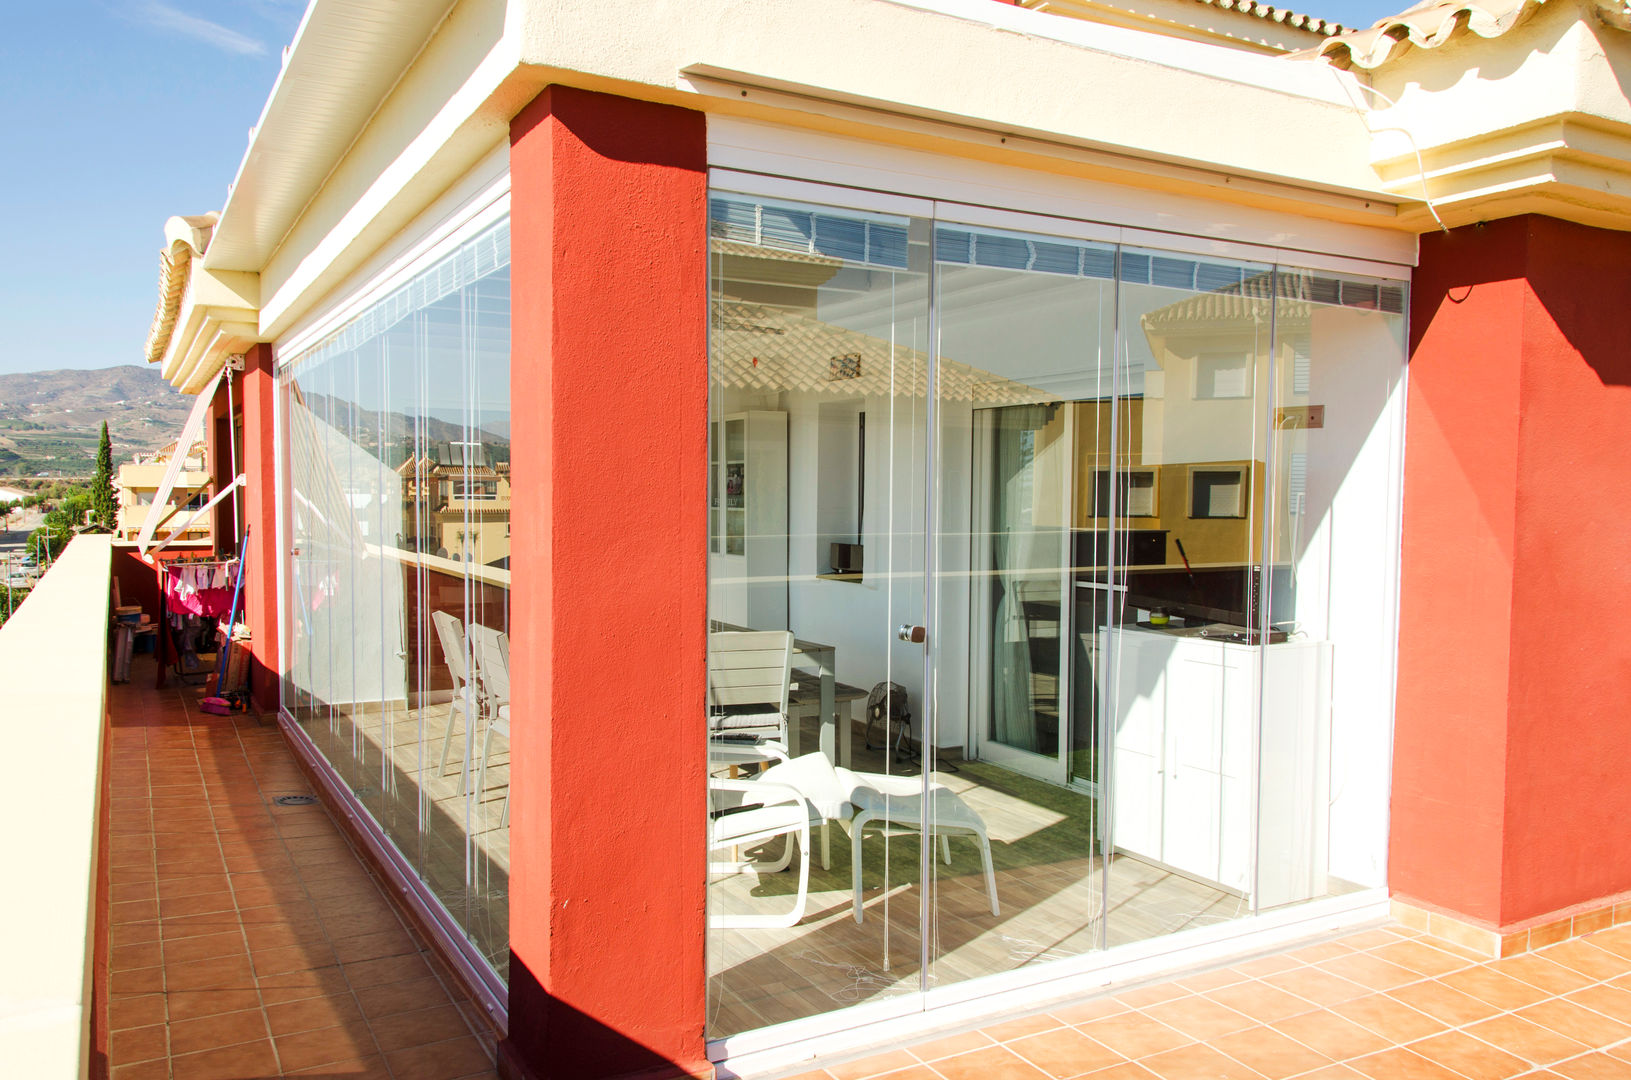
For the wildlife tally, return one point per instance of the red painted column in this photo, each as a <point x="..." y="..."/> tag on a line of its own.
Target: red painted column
<point x="1509" y="802"/>
<point x="257" y="391"/>
<point x="609" y="391"/>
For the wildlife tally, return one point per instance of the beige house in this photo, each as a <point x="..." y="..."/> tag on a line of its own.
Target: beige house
<point x="138" y="482"/>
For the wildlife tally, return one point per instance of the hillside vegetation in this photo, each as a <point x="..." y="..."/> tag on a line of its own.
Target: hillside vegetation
<point x="50" y="420"/>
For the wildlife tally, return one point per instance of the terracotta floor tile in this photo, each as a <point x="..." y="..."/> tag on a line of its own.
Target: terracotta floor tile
<point x="368" y="1068"/>
<point x="1210" y="980"/>
<point x="1022" y="1026"/>
<point x="210" y="1032"/>
<point x="1593" y="1067"/>
<point x="1421" y="957"/>
<point x="1260" y="1001"/>
<point x="1199" y="1018"/>
<point x="991" y="1063"/>
<point x="1611" y="1001"/>
<point x="373" y="946"/>
<point x="1134" y="1035"/>
<point x="228" y="1063"/>
<point x="1317" y="986"/>
<point x="1313" y="954"/>
<point x="1529" y="1041"/>
<point x="861" y="1069"/>
<point x="135" y="1010"/>
<point x="1502" y="991"/>
<point x="1585" y="958"/>
<point x="948" y="1045"/>
<point x="125" y="957"/>
<point x="404" y="1030"/>
<point x="205" y="947"/>
<point x="388" y="998"/>
<point x="215" y="973"/>
<point x="321" y="1046"/>
<point x="290" y="1017"/>
<point x="1126" y="1071"/>
<point x="1445" y="1003"/>
<point x="1337" y="1037"/>
<point x="1538" y="971"/>
<point x="304" y="957"/>
<point x="1577" y="1022"/>
<point x="1389" y="1018"/>
<point x="1368" y="969"/>
<point x="1333" y="1072"/>
<point x="146" y="1070"/>
<point x="1064" y="1053"/>
<point x="1267" y="965"/>
<point x="1154" y="994"/>
<point x="192" y="1004"/>
<point x="440" y="1061"/>
<point x="138" y="1044"/>
<point x="1092" y="1009"/>
<point x="1401" y="1064"/>
<point x="1270" y="1053"/>
<point x="1197" y="1062"/>
<point x="137" y="981"/>
<point x="391" y="969"/>
<point x="1472" y="1058"/>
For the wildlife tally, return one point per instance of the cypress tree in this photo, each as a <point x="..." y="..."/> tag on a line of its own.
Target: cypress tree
<point x="103" y="503"/>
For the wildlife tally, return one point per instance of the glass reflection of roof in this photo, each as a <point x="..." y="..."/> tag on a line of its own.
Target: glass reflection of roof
<point x="761" y="347"/>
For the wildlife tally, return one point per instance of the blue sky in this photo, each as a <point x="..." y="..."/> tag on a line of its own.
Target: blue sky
<point x="116" y="114"/>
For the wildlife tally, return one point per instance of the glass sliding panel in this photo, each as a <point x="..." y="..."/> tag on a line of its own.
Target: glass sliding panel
<point x="1333" y="512"/>
<point x="398" y="606"/>
<point x="1023" y="399"/>
<point x="818" y="371"/>
<point x="1187" y="488"/>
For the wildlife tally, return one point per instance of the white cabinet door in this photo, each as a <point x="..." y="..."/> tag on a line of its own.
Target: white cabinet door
<point x="1140" y="747"/>
<point x="1191" y="837"/>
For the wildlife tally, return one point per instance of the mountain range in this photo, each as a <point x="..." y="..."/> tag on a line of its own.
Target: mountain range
<point x="50" y="421"/>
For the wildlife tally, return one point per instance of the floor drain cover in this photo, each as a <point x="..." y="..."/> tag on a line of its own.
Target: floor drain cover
<point x="295" y="800"/>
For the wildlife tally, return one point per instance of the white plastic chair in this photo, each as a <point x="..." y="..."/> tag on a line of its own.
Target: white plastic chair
<point x="492" y="651"/>
<point x="450" y="631"/>
<point x="776" y="810"/>
<point x="749" y="672"/>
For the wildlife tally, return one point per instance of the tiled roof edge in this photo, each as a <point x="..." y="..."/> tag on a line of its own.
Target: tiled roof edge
<point x="1431" y="24"/>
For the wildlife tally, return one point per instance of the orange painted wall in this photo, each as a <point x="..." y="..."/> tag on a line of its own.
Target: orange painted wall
<point x="256" y="392"/>
<point x="609" y="393"/>
<point x="1509" y="800"/>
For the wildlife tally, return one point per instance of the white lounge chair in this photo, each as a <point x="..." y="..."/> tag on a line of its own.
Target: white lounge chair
<point x="762" y="811"/>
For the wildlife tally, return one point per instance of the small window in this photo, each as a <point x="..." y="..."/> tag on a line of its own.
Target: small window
<point x="1217" y="493"/>
<point x="1222" y="375"/>
<point x="1136" y="493"/>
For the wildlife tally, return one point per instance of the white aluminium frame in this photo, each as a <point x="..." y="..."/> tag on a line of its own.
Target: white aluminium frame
<point x="474" y="204"/>
<point x="845" y="184"/>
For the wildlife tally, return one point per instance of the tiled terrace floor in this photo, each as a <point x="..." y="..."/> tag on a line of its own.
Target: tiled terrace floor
<point x="246" y="939"/>
<point x="1382" y="1004"/>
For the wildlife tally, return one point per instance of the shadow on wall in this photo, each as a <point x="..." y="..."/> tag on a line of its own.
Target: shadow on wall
<point x="1580" y="273"/>
<point x="561" y="1041"/>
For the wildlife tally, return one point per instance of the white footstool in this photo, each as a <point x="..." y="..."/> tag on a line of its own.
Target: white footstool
<point x="898" y="800"/>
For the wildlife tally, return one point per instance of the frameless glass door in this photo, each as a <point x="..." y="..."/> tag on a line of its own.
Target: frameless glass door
<point x="818" y="374"/>
<point x="1024" y="399"/>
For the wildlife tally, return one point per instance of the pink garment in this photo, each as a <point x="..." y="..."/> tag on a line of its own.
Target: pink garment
<point x="208" y="602"/>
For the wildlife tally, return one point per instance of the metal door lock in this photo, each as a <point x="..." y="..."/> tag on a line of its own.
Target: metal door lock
<point x="917" y="635"/>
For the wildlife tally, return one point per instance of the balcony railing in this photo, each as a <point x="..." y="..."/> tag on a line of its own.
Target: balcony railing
<point x="53" y="682"/>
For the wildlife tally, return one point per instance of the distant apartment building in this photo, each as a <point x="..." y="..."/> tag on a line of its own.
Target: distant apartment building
<point x="138" y="483"/>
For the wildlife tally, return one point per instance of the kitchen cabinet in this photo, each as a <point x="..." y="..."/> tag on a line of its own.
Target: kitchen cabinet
<point x="1187" y="731"/>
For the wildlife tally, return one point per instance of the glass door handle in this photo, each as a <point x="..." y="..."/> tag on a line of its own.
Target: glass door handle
<point x="917" y="635"/>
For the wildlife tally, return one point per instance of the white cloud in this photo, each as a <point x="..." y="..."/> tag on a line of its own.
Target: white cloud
<point x="165" y="17"/>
